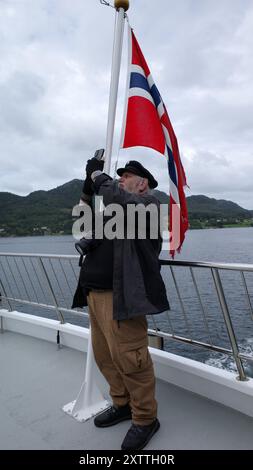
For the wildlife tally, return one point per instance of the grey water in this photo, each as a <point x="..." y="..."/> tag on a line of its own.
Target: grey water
<point x="186" y="318"/>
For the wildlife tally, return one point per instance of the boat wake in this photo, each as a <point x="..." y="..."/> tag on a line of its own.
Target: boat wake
<point x="222" y="361"/>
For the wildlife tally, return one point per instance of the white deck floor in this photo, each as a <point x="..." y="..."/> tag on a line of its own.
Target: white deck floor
<point x="37" y="379"/>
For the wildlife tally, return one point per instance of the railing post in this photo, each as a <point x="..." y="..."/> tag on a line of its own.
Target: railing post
<point x="60" y="316"/>
<point x="2" y="291"/>
<point x="229" y="325"/>
<point x="247" y="294"/>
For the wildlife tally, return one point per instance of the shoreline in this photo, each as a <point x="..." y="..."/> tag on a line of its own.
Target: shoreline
<point x="2" y="236"/>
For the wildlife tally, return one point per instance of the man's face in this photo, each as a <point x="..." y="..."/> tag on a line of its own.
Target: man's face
<point x="132" y="183"/>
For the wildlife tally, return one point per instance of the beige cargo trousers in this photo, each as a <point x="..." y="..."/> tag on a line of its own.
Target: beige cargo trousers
<point x="121" y="353"/>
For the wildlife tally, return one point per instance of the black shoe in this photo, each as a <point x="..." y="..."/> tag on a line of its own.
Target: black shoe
<point x="113" y="416"/>
<point x="137" y="436"/>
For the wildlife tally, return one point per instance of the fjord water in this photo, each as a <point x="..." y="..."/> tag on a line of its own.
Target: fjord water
<point x="215" y="245"/>
<point x="230" y="245"/>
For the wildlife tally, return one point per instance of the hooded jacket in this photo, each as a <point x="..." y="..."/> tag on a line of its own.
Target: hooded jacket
<point x="138" y="287"/>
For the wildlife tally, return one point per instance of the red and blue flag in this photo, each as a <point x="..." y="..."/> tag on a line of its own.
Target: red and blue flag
<point x="147" y="124"/>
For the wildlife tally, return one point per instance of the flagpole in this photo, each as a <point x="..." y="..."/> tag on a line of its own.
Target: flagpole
<point x="121" y="7"/>
<point x="90" y="399"/>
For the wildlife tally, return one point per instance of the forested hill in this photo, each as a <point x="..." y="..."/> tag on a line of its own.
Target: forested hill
<point x="49" y="212"/>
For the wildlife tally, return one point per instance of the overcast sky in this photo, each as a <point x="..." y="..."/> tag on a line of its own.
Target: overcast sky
<point x="55" y="60"/>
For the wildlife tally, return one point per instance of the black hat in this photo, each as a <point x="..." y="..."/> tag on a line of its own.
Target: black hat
<point x="137" y="169"/>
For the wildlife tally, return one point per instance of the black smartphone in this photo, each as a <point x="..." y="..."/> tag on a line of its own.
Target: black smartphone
<point x="99" y="154"/>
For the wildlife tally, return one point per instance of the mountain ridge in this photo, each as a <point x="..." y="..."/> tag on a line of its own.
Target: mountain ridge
<point x="50" y="211"/>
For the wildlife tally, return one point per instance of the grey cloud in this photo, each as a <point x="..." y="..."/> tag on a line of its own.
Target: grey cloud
<point x="54" y="89"/>
<point x="18" y="95"/>
<point x="213" y="175"/>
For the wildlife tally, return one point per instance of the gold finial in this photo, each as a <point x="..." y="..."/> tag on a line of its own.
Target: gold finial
<point x="121" y="4"/>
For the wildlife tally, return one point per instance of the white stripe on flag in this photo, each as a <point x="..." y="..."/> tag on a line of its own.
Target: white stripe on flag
<point x="174" y="192"/>
<point x="150" y="80"/>
<point x="160" y="109"/>
<point x="141" y="92"/>
<point x="166" y="153"/>
<point x="167" y="137"/>
<point x="137" y="69"/>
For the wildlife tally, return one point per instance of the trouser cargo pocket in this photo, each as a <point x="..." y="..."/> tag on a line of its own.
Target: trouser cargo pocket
<point x="134" y="359"/>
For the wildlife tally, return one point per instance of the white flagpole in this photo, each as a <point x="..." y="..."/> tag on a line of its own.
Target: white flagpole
<point x="121" y="6"/>
<point x="90" y="399"/>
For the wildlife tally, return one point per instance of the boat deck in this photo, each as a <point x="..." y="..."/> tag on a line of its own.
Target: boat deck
<point x="37" y="379"/>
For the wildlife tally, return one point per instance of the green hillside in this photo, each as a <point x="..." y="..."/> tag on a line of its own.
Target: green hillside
<point x="49" y="212"/>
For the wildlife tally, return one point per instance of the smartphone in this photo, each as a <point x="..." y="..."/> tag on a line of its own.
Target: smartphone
<point x="99" y="154"/>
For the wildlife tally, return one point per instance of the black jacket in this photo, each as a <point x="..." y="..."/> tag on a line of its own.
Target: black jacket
<point x="138" y="287"/>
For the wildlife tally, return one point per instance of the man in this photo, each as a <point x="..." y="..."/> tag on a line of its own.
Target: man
<point x="122" y="283"/>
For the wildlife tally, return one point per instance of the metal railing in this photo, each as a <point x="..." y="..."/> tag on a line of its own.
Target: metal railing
<point x="45" y="281"/>
<point x="49" y="282"/>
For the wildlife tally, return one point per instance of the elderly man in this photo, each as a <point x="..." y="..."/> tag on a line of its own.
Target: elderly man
<point x="122" y="283"/>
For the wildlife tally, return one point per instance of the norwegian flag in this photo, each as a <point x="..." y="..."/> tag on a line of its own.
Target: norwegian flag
<point x="147" y="124"/>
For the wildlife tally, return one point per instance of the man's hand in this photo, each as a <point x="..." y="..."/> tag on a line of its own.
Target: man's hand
<point x="88" y="187"/>
<point x="87" y="192"/>
<point x="93" y="165"/>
